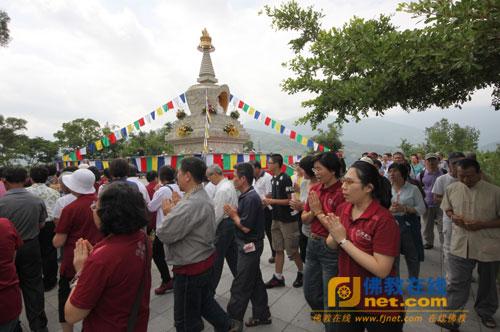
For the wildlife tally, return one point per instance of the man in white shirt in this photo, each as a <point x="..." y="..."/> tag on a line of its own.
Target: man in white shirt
<point x="263" y="187"/>
<point x="166" y="191"/>
<point x="132" y="177"/>
<point x="224" y="235"/>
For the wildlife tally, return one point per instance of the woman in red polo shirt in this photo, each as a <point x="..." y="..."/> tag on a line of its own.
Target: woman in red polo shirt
<point x="113" y="280"/>
<point x="324" y="197"/>
<point x="367" y="237"/>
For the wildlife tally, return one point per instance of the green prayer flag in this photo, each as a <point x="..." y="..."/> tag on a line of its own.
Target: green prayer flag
<point x="149" y="162"/>
<point x="245" y="107"/>
<point x="226" y="161"/>
<point x="105" y="141"/>
<point x="273" y="123"/>
<point x="136" y="124"/>
<point x="299" y="138"/>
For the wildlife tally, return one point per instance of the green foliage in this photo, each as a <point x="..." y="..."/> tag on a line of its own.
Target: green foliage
<point x="371" y="65"/>
<point x="489" y="162"/>
<point x="4" y="28"/>
<point x="330" y="138"/>
<point x="444" y="137"/>
<point x="78" y="133"/>
<point x="248" y="146"/>
<point x="38" y="150"/>
<point x="11" y="138"/>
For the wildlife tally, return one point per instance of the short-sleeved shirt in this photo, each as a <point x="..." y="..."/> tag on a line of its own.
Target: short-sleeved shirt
<point x="25" y="211"/>
<point x="439" y="188"/>
<point x="331" y="198"/>
<point x="48" y="195"/>
<point x="375" y="231"/>
<point x="251" y="215"/>
<point x="10" y="293"/>
<point x="77" y="221"/>
<point x="428" y="180"/>
<point x="479" y="203"/>
<point x="282" y="187"/>
<point x="61" y="203"/>
<point x="109" y="282"/>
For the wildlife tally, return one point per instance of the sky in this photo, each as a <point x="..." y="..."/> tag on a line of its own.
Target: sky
<point x="114" y="61"/>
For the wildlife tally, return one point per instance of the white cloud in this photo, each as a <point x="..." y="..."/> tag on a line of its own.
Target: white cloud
<point x="114" y="61"/>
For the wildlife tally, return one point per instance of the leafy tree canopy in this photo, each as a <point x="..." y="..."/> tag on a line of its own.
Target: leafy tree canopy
<point x="78" y="133"/>
<point x="330" y="138"/>
<point x="4" y="28"/>
<point x="11" y="137"/>
<point x="371" y="65"/>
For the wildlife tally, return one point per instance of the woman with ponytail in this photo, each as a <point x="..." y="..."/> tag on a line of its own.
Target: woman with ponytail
<point x="367" y="238"/>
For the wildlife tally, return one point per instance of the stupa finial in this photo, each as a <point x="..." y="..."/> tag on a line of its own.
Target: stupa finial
<point x="207" y="74"/>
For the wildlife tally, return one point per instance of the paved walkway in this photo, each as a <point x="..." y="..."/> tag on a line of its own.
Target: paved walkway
<point x="289" y="310"/>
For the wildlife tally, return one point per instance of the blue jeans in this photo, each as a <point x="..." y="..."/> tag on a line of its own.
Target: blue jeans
<point x="193" y="299"/>
<point x="321" y="266"/>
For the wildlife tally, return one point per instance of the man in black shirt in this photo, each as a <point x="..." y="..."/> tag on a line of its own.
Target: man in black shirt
<point x="249" y="221"/>
<point x="285" y="225"/>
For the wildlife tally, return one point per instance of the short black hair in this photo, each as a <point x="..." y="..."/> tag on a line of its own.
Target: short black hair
<point x="245" y="170"/>
<point x="167" y="173"/>
<point x="106" y="173"/>
<point x="330" y="161"/>
<point x="456" y="155"/>
<point x="377" y="163"/>
<point x="132" y="170"/>
<point x="121" y="209"/>
<point x="195" y="166"/>
<point x="52" y="169"/>
<point x="307" y="164"/>
<point x="39" y="174"/>
<point x="151" y="175"/>
<point x="277" y="158"/>
<point x="15" y="174"/>
<point x="368" y="174"/>
<point x="402" y="168"/>
<point x="255" y="163"/>
<point x="468" y="163"/>
<point x="118" y="168"/>
<point x="96" y="172"/>
<point x="69" y="169"/>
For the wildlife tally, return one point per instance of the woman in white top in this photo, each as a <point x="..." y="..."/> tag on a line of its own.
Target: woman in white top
<point x="407" y="207"/>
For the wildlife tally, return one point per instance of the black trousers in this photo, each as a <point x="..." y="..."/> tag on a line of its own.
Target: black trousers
<point x="248" y="285"/>
<point x="268" y="221"/>
<point x="225" y="248"/>
<point x="49" y="255"/>
<point x="302" y="242"/>
<point x="29" y="270"/>
<point x="159" y="259"/>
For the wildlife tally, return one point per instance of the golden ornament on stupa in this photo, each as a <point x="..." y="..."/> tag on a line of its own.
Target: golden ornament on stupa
<point x="205" y="42"/>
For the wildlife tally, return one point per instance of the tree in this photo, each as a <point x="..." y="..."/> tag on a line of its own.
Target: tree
<point x="11" y="138"/>
<point x="248" y="146"/>
<point x="38" y="150"/>
<point x="147" y="143"/>
<point x="444" y="137"/>
<point x="4" y="28"/>
<point x="371" y="65"/>
<point x="489" y="162"/>
<point x="78" y="133"/>
<point x="330" y="138"/>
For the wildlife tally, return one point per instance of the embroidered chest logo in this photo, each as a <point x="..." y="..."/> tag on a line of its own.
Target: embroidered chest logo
<point x="363" y="235"/>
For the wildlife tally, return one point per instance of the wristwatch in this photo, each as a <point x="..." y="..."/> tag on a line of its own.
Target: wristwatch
<point x="342" y="242"/>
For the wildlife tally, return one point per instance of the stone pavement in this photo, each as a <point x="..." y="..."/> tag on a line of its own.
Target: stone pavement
<point x="289" y="309"/>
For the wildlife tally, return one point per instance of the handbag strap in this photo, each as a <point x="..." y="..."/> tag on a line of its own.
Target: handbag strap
<point x="132" y="319"/>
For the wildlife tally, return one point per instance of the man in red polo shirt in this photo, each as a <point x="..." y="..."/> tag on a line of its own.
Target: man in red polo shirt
<point x="76" y="222"/>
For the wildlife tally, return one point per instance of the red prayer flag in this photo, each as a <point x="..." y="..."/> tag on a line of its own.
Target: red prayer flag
<point x="321" y="148"/>
<point x="78" y="155"/>
<point x="252" y="156"/>
<point x="267" y="121"/>
<point x="283" y="168"/>
<point x="240" y="104"/>
<point x="141" y="122"/>
<point x="293" y="134"/>
<point x="218" y="160"/>
<point x="112" y="138"/>
<point x="290" y="160"/>
<point x="173" y="162"/>
<point x="144" y="164"/>
<point x="170" y="105"/>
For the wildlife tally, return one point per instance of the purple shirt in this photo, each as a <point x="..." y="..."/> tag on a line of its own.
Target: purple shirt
<point x="428" y="182"/>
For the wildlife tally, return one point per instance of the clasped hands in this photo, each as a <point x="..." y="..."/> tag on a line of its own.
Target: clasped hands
<point x="330" y="221"/>
<point x="168" y="204"/>
<point x="83" y="248"/>
<point x="470" y="225"/>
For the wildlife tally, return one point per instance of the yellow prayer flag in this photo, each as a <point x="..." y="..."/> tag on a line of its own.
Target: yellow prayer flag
<point x="278" y="127"/>
<point x="130" y="128"/>
<point x="234" y="160"/>
<point x="304" y="140"/>
<point x="105" y="164"/>
<point x="251" y="111"/>
<point x="263" y="161"/>
<point x="98" y="145"/>
<point x="159" y="111"/>
<point x="66" y="157"/>
<point x="154" y="163"/>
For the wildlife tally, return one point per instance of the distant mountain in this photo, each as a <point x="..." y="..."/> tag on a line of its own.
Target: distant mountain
<point x="490" y="147"/>
<point x="367" y="131"/>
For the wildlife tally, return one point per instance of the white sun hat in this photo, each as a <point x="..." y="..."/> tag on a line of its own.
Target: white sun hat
<point x="80" y="181"/>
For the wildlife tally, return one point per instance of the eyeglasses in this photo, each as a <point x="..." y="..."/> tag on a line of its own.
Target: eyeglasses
<point x="93" y="206"/>
<point x="348" y="181"/>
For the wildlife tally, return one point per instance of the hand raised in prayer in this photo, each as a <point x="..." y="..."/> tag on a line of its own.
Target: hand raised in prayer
<point x="314" y="203"/>
<point x="296" y="204"/>
<point x="167" y="205"/>
<point x="176" y="197"/>
<point x="335" y="227"/>
<point x="397" y="208"/>
<point x="230" y="211"/>
<point x="81" y="253"/>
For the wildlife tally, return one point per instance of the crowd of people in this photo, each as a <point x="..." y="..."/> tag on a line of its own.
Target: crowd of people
<point x="95" y="234"/>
